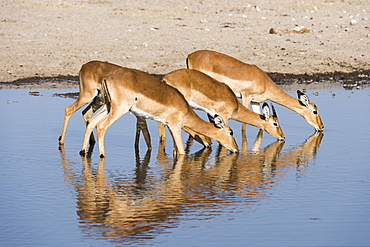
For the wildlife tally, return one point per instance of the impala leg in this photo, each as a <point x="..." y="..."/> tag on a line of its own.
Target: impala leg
<point x="246" y="101"/>
<point x="68" y="113"/>
<point x="142" y="126"/>
<point x="244" y="127"/>
<point x="162" y="132"/>
<point x="90" y="127"/>
<point x="101" y="135"/>
<point x="137" y="135"/>
<point x="244" y="141"/>
<point x="177" y="139"/>
<point x="189" y="143"/>
<point x="104" y="124"/>
<point x="87" y="113"/>
<point x="84" y="97"/>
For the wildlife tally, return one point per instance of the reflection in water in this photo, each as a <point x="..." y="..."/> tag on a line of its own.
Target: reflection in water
<point x="310" y="147"/>
<point x="302" y="154"/>
<point x="195" y="186"/>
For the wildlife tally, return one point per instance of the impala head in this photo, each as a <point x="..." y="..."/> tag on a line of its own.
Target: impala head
<point x="272" y="125"/>
<point x="224" y="133"/>
<point x="310" y="112"/>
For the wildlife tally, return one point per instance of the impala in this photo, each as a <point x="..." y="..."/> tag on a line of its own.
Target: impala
<point x="252" y="84"/>
<point x="146" y="96"/>
<point x="90" y="84"/>
<point x="217" y="99"/>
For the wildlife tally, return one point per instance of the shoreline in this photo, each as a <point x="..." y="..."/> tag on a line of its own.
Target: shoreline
<point x="348" y="80"/>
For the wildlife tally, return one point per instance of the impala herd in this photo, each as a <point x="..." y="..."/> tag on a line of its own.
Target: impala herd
<point x="212" y="83"/>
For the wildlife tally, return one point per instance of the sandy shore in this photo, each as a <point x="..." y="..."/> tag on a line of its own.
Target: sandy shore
<point x="47" y="38"/>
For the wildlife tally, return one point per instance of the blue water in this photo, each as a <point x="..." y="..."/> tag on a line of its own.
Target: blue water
<point x="312" y="190"/>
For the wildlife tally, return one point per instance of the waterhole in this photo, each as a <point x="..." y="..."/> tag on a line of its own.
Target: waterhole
<point x="313" y="189"/>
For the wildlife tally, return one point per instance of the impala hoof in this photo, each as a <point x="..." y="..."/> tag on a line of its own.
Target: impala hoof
<point x="83" y="153"/>
<point x="61" y="142"/>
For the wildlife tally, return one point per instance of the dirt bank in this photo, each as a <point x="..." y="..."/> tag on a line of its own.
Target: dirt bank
<point x="42" y="38"/>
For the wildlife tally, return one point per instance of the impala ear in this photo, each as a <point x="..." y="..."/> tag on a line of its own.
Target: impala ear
<point x="303" y="98"/>
<point x="265" y="111"/>
<point x="273" y="111"/>
<point x="217" y="121"/>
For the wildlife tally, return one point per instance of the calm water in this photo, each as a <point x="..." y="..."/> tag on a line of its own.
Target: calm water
<point x="312" y="190"/>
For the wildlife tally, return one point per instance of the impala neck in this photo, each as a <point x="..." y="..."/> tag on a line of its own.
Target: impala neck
<point x="200" y="126"/>
<point x="278" y="96"/>
<point x="247" y="116"/>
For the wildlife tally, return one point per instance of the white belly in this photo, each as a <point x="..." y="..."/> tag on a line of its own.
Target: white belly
<point x="141" y="113"/>
<point x="198" y="107"/>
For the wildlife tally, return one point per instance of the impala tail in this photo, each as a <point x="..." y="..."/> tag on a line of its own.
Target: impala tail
<point x="95" y="104"/>
<point x="106" y="95"/>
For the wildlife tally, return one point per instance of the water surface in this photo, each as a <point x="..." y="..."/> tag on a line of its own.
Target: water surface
<point x="312" y="190"/>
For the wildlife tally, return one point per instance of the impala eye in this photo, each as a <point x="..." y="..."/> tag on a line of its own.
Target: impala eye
<point x="315" y="112"/>
<point x="231" y="132"/>
<point x="275" y="124"/>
